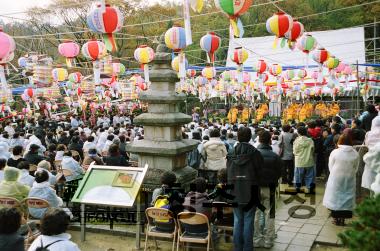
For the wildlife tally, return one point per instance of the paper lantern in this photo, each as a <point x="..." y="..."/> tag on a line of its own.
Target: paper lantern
<point x="307" y="43"/>
<point x="347" y="70"/>
<point x="261" y="66"/>
<point x="7" y="44"/>
<point x="175" y="38"/>
<point x="201" y="81"/>
<point x="7" y="47"/>
<point x="279" y="24"/>
<point x="234" y="9"/>
<point x="332" y="62"/>
<point x="294" y="33"/>
<point x="69" y="50"/>
<point x="320" y="55"/>
<point x="175" y="64"/>
<point x="209" y="72"/>
<point x="289" y="74"/>
<point x="191" y="73"/>
<point x="239" y="56"/>
<point x="118" y="68"/>
<point x="196" y="5"/>
<point x="94" y="50"/>
<point x="302" y="73"/>
<point x="75" y="77"/>
<point x="142" y="86"/>
<point x="136" y="79"/>
<point x="226" y="75"/>
<point x="144" y="55"/>
<point x="275" y="70"/>
<point x="210" y="43"/>
<point x="106" y="21"/>
<point x="8" y="58"/>
<point x="29" y="92"/>
<point x="340" y="67"/>
<point x="59" y="74"/>
<point x="246" y="77"/>
<point x="22" y="61"/>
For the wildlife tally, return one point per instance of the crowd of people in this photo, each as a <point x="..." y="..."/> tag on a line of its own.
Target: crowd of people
<point x="37" y="155"/>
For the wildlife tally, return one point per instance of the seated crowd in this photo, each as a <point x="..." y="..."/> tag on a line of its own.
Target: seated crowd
<point x="238" y="165"/>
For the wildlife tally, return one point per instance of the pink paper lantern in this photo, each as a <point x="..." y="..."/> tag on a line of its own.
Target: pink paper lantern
<point x="69" y="50"/>
<point x="7" y="44"/>
<point x="347" y="70"/>
<point x="340" y="67"/>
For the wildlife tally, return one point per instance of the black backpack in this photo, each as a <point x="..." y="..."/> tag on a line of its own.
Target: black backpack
<point x="246" y="174"/>
<point x="42" y="248"/>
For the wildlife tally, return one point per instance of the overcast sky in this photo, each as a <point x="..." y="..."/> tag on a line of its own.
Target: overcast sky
<point x="13" y="6"/>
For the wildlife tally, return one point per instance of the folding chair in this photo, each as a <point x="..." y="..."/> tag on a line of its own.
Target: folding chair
<point x="161" y="223"/>
<point x="37" y="203"/>
<point x="194" y="228"/>
<point x="9" y="202"/>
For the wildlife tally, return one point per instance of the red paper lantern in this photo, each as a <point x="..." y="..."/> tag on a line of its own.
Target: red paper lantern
<point x="261" y="66"/>
<point x="108" y="21"/>
<point x="321" y="55"/>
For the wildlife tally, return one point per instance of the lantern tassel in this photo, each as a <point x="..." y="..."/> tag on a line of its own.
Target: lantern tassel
<point x="275" y="41"/>
<point x="186" y="15"/>
<point x="146" y="73"/>
<point x="234" y="27"/>
<point x="96" y="72"/>
<point x="182" y="65"/>
<point x="69" y="62"/>
<point x="209" y="58"/>
<point x="110" y="42"/>
<point x="3" y="80"/>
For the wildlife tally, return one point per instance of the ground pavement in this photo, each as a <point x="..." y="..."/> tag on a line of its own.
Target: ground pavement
<point x="314" y="233"/>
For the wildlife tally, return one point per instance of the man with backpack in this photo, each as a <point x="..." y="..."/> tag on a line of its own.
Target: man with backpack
<point x="243" y="171"/>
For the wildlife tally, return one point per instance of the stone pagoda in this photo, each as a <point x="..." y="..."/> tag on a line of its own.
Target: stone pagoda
<point x="163" y="148"/>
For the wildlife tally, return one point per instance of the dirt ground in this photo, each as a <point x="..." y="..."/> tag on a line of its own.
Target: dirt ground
<point x="105" y="242"/>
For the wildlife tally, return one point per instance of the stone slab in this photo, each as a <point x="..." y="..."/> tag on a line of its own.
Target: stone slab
<point x="293" y="247"/>
<point x="306" y="240"/>
<point x="310" y="229"/>
<point x="161" y="148"/>
<point x="162" y="119"/>
<point x="284" y="237"/>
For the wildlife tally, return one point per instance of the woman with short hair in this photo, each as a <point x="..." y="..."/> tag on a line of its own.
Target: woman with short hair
<point x="10" y="239"/>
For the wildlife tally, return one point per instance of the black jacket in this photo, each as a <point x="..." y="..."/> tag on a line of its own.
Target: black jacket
<point x="115" y="161"/>
<point x="11" y="242"/>
<point x="33" y="158"/>
<point x="244" y="164"/>
<point x="271" y="170"/>
<point x="367" y="121"/>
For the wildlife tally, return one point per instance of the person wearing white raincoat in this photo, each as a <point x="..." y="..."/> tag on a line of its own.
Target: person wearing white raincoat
<point x="372" y="162"/>
<point x="371" y="139"/>
<point x="340" y="189"/>
<point x="36" y="141"/>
